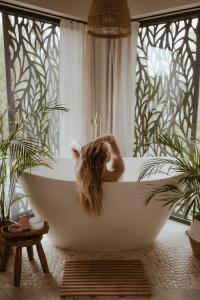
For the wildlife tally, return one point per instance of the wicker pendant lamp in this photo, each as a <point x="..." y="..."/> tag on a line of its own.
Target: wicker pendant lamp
<point x="109" y="19"/>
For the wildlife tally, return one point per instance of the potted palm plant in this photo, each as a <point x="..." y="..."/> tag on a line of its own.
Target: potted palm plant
<point x="17" y="154"/>
<point x="182" y="158"/>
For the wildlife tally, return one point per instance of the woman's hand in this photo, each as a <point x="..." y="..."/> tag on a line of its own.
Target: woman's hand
<point x="96" y="143"/>
<point x="106" y="138"/>
<point x="109" y="138"/>
<point x="75" y="149"/>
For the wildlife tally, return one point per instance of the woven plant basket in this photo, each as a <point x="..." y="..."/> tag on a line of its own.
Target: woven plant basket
<point x="195" y="246"/>
<point x="109" y="19"/>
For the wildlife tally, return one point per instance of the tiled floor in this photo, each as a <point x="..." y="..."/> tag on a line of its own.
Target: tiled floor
<point x="173" y="272"/>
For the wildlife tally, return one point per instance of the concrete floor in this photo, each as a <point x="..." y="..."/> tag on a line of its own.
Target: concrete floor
<point x="53" y="294"/>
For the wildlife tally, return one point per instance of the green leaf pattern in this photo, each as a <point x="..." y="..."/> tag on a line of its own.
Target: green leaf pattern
<point x="166" y="97"/>
<point x="32" y="59"/>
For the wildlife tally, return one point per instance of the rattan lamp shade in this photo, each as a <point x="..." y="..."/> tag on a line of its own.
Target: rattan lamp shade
<point x="109" y="19"/>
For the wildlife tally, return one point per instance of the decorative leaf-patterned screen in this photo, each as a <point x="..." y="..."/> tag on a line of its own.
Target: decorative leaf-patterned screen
<point x="167" y="82"/>
<point x="167" y="93"/>
<point x="31" y="49"/>
<point x="31" y="60"/>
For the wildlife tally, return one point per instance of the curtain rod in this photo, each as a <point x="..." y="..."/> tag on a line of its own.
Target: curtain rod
<point x="180" y="13"/>
<point x="18" y="9"/>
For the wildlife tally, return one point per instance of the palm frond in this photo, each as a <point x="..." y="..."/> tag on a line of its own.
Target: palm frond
<point x="183" y="159"/>
<point x="17" y="198"/>
<point x="24" y="149"/>
<point x="19" y="153"/>
<point x="11" y="202"/>
<point x="168" y="193"/>
<point x="46" y="109"/>
<point x="154" y="166"/>
<point x="172" y="145"/>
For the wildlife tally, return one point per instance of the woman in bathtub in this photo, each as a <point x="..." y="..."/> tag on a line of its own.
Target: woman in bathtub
<point x="91" y="170"/>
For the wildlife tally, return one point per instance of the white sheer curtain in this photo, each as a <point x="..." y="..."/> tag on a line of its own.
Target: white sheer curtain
<point x="97" y="76"/>
<point x="114" y="75"/>
<point x="74" y="85"/>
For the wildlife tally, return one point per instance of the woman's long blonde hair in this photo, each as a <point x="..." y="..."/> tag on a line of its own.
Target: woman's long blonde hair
<point x="90" y="176"/>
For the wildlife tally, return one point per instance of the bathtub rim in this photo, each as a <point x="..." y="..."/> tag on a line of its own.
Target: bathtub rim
<point x="146" y="181"/>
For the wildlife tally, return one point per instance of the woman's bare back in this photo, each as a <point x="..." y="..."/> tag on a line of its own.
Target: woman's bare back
<point x="116" y="163"/>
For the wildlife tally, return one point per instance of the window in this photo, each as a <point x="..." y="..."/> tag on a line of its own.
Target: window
<point x="167" y="91"/>
<point x="167" y="81"/>
<point x="29" y="75"/>
<point x="3" y="91"/>
<point x="31" y="51"/>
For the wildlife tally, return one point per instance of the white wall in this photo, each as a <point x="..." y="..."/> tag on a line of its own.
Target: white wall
<point x="79" y="8"/>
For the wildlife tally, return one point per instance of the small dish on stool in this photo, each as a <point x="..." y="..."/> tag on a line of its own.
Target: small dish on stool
<point x="15" y="228"/>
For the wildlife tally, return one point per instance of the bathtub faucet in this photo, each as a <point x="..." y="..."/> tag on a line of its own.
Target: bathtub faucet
<point x="96" y="126"/>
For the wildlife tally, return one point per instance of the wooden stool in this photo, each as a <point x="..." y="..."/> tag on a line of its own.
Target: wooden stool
<point x="1" y="246"/>
<point x="1" y="240"/>
<point x="28" y="240"/>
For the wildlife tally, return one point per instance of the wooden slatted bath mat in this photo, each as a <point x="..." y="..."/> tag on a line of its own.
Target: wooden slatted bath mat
<point x="104" y="278"/>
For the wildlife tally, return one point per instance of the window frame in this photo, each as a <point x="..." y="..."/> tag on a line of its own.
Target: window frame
<point x="6" y="10"/>
<point x="168" y="19"/>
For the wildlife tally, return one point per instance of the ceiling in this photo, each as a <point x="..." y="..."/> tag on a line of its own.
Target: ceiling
<point x="79" y="8"/>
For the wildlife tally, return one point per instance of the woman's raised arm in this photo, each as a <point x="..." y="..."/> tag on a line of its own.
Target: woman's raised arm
<point x="117" y="163"/>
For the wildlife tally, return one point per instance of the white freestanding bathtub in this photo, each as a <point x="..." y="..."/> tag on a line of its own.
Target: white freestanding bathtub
<point x="125" y="224"/>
